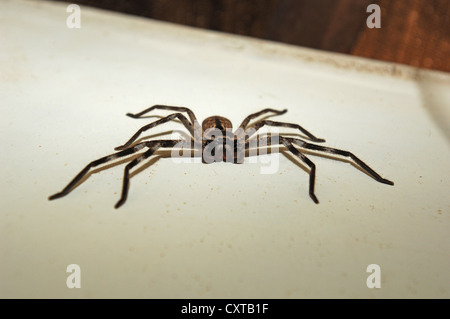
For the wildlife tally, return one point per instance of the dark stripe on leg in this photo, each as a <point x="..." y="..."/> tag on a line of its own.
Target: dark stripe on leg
<point x="168" y="118"/>
<point x="258" y="125"/>
<point x="95" y="163"/>
<point x="153" y="147"/>
<point x="165" y="107"/>
<point x="312" y="166"/>
<point x="363" y="165"/>
<point x="254" y="115"/>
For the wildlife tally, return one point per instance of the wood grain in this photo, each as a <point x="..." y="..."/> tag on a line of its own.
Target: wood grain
<point x="414" y="32"/>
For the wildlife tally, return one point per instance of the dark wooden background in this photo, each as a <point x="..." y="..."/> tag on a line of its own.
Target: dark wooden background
<point x="413" y="32"/>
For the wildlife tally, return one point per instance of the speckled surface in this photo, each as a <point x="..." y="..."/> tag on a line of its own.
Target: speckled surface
<point x="219" y="230"/>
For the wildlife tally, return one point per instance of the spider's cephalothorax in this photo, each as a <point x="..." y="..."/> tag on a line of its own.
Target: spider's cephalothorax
<point x="217" y="142"/>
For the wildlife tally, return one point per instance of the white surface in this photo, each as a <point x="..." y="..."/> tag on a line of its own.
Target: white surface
<point x="220" y="230"/>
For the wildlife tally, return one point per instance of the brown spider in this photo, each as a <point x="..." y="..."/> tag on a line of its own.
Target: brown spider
<point x="211" y="139"/>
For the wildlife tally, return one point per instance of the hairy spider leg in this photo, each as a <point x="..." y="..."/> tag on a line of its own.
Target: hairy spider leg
<point x="95" y="163"/>
<point x="335" y="151"/>
<point x="312" y="166"/>
<point x="165" y="107"/>
<point x="168" y="118"/>
<point x="288" y="143"/>
<point x="260" y="124"/>
<point x="245" y="122"/>
<point x="153" y="147"/>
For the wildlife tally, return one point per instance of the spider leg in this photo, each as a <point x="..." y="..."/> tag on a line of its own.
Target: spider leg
<point x="270" y="141"/>
<point x="168" y="118"/>
<point x="260" y="124"/>
<point x="165" y="107"/>
<point x="335" y="151"/>
<point x="95" y="163"/>
<point x="244" y="123"/>
<point x="153" y="147"/>
<point x="312" y="173"/>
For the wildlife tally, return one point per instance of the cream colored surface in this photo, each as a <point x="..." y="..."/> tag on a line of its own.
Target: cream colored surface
<point x="221" y="230"/>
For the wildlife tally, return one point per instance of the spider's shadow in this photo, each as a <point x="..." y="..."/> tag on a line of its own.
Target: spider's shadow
<point x="294" y="159"/>
<point x="155" y="158"/>
<point x="167" y="154"/>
